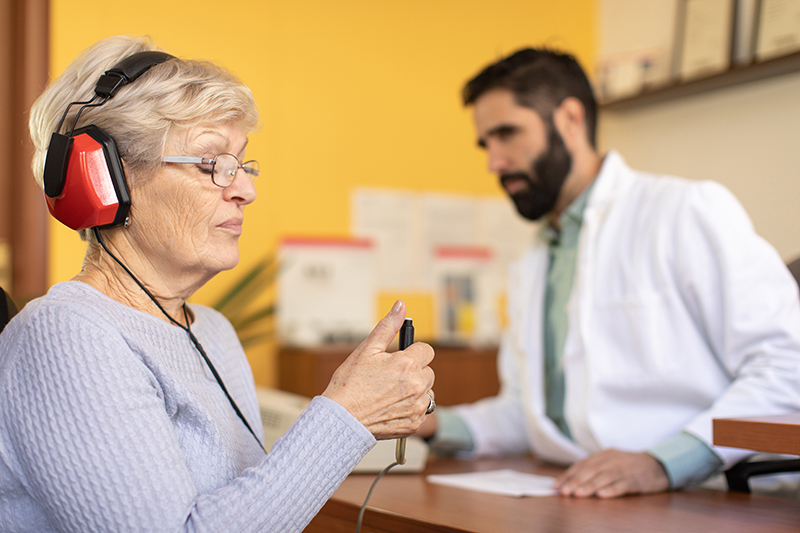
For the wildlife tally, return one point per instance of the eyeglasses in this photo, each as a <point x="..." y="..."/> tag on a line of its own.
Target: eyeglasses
<point x="222" y="168"/>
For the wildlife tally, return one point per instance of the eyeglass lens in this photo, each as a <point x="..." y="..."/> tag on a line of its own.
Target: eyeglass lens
<point x="227" y="165"/>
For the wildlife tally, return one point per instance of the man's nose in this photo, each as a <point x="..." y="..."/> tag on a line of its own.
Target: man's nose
<point x="498" y="161"/>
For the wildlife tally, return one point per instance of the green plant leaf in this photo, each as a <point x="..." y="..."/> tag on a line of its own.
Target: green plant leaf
<point x="252" y="325"/>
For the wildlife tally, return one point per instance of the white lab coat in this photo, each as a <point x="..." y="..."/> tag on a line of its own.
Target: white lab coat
<point x="679" y="314"/>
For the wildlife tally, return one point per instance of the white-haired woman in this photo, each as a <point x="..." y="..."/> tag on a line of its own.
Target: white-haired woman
<point x="122" y="408"/>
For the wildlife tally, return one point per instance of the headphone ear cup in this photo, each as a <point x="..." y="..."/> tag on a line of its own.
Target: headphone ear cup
<point x="84" y="182"/>
<point x="93" y="188"/>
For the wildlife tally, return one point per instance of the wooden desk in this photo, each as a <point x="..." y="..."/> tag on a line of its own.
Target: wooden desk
<point x="463" y="375"/>
<point x="406" y="503"/>
<point x="772" y="434"/>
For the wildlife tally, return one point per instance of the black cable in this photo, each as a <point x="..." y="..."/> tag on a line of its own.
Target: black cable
<point x="219" y="379"/>
<point x="88" y="104"/>
<point x="64" y="116"/>
<point x="372" y="487"/>
<point x="187" y="328"/>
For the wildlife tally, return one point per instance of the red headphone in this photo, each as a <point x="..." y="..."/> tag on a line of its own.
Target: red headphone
<point x="84" y="182"/>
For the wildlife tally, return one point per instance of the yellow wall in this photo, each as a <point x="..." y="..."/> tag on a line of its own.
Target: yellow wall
<point x="352" y="93"/>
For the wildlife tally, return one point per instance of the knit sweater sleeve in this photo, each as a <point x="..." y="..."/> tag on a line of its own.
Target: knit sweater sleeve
<point x="288" y="488"/>
<point x="89" y="441"/>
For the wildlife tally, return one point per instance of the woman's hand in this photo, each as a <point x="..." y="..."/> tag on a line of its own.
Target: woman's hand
<point x="387" y="392"/>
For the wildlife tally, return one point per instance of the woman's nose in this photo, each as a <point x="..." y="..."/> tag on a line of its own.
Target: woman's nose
<point x="242" y="188"/>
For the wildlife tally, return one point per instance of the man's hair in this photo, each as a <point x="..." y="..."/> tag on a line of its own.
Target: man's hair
<point x="540" y="79"/>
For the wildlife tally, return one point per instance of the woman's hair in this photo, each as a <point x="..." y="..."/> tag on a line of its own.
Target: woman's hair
<point x="171" y="96"/>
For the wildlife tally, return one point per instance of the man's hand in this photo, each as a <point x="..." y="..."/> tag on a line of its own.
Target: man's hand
<point x="613" y="473"/>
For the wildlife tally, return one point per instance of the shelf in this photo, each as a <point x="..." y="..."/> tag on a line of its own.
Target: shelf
<point x="736" y="75"/>
<point x="463" y="375"/>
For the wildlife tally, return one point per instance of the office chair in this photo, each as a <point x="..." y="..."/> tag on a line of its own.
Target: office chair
<point x="7" y="309"/>
<point x="739" y="474"/>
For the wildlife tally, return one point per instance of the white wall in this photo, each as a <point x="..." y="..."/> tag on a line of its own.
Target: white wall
<point x="746" y="137"/>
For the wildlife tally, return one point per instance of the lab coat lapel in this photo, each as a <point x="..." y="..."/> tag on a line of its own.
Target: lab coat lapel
<point x="612" y="181"/>
<point x="548" y="441"/>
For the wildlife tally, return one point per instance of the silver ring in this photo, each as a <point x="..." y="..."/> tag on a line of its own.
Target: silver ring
<point x="431" y="406"/>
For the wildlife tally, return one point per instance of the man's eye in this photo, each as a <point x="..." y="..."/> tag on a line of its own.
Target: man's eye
<point x="205" y="169"/>
<point x="505" y="133"/>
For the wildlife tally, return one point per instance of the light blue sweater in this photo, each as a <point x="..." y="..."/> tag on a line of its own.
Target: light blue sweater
<point x="111" y="421"/>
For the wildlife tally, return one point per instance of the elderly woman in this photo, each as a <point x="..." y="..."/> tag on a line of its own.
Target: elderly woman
<point x="122" y="408"/>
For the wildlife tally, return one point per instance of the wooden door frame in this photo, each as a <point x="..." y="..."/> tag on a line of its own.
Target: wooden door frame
<point x="24" y="59"/>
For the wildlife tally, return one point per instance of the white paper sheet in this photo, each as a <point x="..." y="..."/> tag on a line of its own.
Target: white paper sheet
<point x="779" y="28"/>
<point x="389" y="219"/>
<point x="408" y="229"/>
<point x="507" y="234"/>
<point x="506" y="482"/>
<point x="466" y="295"/>
<point x="706" y="37"/>
<point x="447" y="220"/>
<point x="637" y="43"/>
<point x="326" y="291"/>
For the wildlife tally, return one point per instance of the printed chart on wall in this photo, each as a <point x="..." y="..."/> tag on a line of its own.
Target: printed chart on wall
<point x="327" y="290"/>
<point x="456" y="247"/>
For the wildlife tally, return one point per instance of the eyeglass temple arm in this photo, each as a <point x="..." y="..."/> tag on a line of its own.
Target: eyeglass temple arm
<point x="185" y="159"/>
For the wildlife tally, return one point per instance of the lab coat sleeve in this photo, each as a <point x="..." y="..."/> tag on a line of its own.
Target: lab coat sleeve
<point x="497" y="424"/>
<point x="746" y="304"/>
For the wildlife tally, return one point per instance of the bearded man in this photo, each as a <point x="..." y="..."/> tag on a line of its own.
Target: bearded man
<point x="646" y="307"/>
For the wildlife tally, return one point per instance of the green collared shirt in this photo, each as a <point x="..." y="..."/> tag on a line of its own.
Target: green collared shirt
<point x="562" y="248"/>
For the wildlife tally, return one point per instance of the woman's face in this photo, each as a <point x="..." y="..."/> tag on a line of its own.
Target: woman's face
<point x="181" y="222"/>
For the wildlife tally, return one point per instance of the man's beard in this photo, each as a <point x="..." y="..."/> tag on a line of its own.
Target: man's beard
<point x="545" y="179"/>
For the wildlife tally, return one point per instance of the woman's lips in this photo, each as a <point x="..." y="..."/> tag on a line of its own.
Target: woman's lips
<point x="234" y="225"/>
